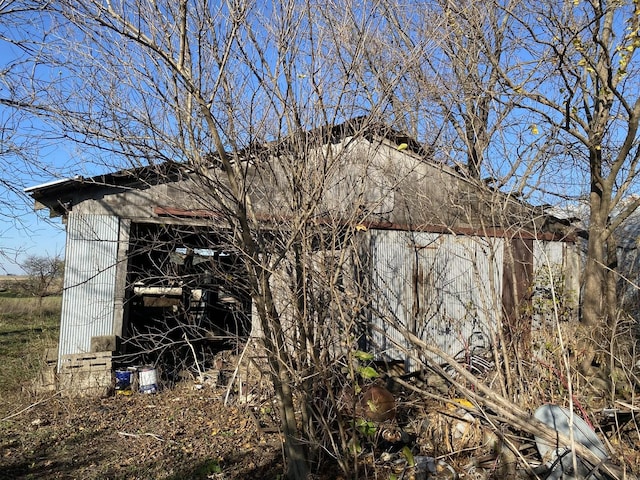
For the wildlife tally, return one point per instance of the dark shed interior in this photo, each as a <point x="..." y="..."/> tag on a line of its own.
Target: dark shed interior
<point x="185" y="294"/>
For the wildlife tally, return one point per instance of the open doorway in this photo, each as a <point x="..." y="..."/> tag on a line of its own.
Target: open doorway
<point x="186" y="298"/>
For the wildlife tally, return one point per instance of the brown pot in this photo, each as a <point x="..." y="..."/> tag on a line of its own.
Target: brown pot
<point x="378" y="404"/>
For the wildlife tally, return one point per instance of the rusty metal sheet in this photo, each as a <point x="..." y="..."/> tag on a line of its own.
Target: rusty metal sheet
<point x="446" y="289"/>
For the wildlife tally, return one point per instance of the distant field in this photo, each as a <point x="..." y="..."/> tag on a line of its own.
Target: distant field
<point x="28" y="327"/>
<point x="17" y="285"/>
<point x="12" y="282"/>
<point x="13" y="278"/>
<point x="28" y="308"/>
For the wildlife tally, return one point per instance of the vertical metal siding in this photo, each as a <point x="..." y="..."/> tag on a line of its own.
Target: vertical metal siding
<point x="555" y="264"/>
<point x="391" y="296"/>
<point x="561" y="257"/>
<point x="555" y="260"/>
<point x="470" y="291"/>
<point x="445" y="288"/>
<point x="547" y="254"/>
<point x="89" y="281"/>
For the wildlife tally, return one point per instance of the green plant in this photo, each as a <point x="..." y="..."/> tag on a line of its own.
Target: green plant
<point x="364" y="367"/>
<point x="366" y="427"/>
<point x="208" y="467"/>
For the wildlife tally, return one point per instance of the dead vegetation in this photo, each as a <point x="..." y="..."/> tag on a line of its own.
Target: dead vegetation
<point x="451" y="422"/>
<point x="27" y="329"/>
<point x="451" y="418"/>
<point x="445" y="418"/>
<point x="178" y="433"/>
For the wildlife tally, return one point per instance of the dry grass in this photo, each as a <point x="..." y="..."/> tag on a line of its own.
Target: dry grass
<point x="23" y="285"/>
<point x="27" y="329"/>
<point x="29" y="307"/>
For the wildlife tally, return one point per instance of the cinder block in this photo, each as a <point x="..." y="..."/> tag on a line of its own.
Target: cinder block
<point x="104" y="343"/>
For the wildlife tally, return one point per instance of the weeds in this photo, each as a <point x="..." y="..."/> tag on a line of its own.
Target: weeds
<point x="27" y="328"/>
<point x="21" y="308"/>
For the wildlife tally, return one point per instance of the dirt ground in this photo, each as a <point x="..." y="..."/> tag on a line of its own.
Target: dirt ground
<point x="175" y="434"/>
<point x="184" y="433"/>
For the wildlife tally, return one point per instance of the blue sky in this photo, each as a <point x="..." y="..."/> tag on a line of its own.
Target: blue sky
<point x="23" y="231"/>
<point x="34" y="237"/>
<point x="25" y="162"/>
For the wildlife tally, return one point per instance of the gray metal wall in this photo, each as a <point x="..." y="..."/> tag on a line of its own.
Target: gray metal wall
<point x="446" y="289"/>
<point x="557" y="265"/>
<point x="560" y="258"/>
<point x="89" y="281"/>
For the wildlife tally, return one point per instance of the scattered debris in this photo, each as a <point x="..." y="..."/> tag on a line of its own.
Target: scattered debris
<point x="559" y="460"/>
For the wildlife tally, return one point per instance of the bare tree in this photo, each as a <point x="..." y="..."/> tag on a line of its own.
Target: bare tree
<point x="451" y="97"/>
<point x="244" y="96"/>
<point x="43" y="273"/>
<point x="241" y="95"/>
<point x="24" y="139"/>
<point x="577" y="75"/>
<point x="541" y="98"/>
<point x="451" y="83"/>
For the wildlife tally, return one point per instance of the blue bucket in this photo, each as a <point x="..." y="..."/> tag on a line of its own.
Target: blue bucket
<point x="123" y="382"/>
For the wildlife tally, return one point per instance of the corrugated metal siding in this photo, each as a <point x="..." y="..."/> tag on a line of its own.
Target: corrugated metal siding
<point x="444" y="288"/>
<point x="89" y="281"/>
<point x="562" y="260"/>
<point x="559" y="261"/>
<point x="546" y="254"/>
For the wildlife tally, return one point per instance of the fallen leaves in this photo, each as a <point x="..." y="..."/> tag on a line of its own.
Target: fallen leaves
<point x="136" y="437"/>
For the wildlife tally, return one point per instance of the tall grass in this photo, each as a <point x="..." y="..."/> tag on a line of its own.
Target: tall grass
<point x="28" y="327"/>
<point x="30" y="307"/>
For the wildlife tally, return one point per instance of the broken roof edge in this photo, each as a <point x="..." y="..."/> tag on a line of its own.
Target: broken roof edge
<point x="330" y="134"/>
<point x="113" y="179"/>
<point x="52" y="183"/>
<point x="327" y="134"/>
<point x="48" y="195"/>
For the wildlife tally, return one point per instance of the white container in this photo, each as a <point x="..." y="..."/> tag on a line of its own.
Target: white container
<point x="147" y="380"/>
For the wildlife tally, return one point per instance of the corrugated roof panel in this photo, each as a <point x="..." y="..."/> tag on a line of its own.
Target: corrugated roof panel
<point x="90" y="269"/>
<point x="52" y="183"/>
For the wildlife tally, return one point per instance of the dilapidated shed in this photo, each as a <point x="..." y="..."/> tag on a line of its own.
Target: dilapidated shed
<point x="437" y="253"/>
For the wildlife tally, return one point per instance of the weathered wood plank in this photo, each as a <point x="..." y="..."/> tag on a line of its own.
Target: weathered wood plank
<point x="87" y="356"/>
<point x="97" y="361"/>
<point x="87" y="368"/>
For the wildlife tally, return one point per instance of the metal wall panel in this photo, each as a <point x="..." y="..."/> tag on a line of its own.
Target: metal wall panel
<point x="561" y="261"/>
<point x="392" y="297"/>
<point x="446" y="289"/>
<point x="557" y="265"/>
<point x="89" y="281"/>
<point x="547" y="255"/>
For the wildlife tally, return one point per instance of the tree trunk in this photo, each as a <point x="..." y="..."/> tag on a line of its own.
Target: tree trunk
<point x="294" y="447"/>
<point x="594" y="282"/>
<point x="593" y="293"/>
<point x="612" y="280"/>
<point x="295" y="450"/>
